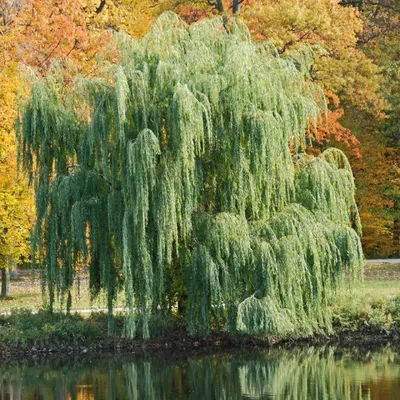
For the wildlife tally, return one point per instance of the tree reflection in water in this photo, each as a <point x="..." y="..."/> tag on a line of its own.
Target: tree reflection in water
<point x="307" y="373"/>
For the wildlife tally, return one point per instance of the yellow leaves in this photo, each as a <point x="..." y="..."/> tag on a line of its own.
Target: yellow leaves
<point x="317" y="22"/>
<point x="15" y="221"/>
<point x="138" y="16"/>
<point x="354" y="77"/>
<point x="134" y="17"/>
<point x="37" y="32"/>
<point x="344" y="69"/>
<point x="375" y="175"/>
<point x="16" y="199"/>
<point x="301" y="17"/>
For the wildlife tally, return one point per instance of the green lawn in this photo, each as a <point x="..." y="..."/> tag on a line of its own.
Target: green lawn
<point x="26" y="293"/>
<point x="377" y="289"/>
<point x="381" y="284"/>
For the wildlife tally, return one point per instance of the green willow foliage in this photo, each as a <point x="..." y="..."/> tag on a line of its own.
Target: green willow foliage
<point x="181" y="176"/>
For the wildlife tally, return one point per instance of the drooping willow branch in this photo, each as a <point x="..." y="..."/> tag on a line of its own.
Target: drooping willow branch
<point x="219" y="208"/>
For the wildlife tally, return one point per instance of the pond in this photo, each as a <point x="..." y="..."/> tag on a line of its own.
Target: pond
<point x="279" y="373"/>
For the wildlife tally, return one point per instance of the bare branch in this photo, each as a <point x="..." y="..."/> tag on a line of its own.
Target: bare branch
<point x="99" y="9"/>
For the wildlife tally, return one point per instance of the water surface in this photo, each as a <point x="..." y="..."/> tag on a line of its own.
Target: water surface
<point x="299" y="373"/>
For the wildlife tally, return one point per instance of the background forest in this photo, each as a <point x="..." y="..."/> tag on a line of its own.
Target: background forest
<point x="352" y="51"/>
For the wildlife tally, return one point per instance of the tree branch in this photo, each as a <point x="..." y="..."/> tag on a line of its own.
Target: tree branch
<point x="72" y="48"/>
<point x="49" y="54"/>
<point x="99" y="9"/>
<point x="217" y="4"/>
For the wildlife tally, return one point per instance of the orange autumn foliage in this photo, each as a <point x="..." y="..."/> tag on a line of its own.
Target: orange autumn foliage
<point x="377" y="177"/>
<point x="330" y="132"/>
<point x="49" y="29"/>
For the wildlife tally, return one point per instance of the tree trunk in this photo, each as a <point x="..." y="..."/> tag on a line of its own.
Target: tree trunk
<point x="5" y="283"/>
<point x="14" y="273"/>
<point x="182" y="303"/>
<point x="396" y="229"/>
<point x="236" y="6"/>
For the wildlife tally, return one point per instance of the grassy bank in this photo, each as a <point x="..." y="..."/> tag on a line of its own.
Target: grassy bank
<point x="372" y="306"/>
<point x="23" y="333"/>
<point x="370" y="310"/>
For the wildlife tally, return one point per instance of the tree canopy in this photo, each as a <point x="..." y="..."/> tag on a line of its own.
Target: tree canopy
<point x="181" y="176"/>
<point x="16" y="200"/>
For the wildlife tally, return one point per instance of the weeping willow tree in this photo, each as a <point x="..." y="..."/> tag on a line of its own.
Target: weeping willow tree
<point x="181" y="176"/>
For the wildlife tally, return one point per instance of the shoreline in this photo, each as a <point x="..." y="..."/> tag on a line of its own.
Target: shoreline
<point x="368" y="314"/>
<point x="184" y="344"/>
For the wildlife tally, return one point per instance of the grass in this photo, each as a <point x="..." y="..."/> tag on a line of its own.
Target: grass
<point x="26" y="294"/>
<point x="23" y="328"/>
<point x="24" y="331"/>
<point x="373" y="305"/>
<point x="381" y="282"/>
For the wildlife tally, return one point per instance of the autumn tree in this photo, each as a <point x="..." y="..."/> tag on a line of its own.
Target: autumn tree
<point x="134" y="17"/>
<point x="33" y="33"/>
<point x="15" y="196"/>
<point x="378" y="172"/>
<point x="16" y="203"/>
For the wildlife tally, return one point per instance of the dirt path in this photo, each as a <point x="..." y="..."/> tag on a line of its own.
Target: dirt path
<point x="384" y="261"/>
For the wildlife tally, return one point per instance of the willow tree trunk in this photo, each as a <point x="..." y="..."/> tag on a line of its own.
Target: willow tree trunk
<point x="5" y="283"/>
